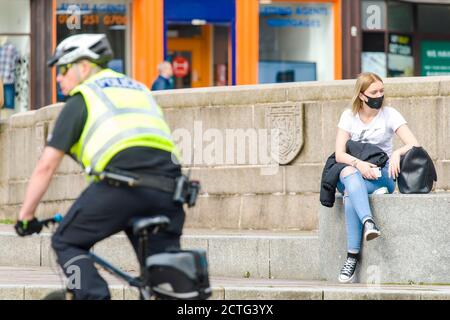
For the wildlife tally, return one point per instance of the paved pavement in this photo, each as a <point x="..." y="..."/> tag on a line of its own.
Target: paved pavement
<point x="50" y="276"/>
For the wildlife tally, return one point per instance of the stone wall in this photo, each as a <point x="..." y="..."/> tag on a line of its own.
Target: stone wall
<point x="413" y="246"/>
<point x="247" y="193"/>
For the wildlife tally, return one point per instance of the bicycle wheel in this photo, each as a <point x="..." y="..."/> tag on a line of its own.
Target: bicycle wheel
<point x="56" y="295"/>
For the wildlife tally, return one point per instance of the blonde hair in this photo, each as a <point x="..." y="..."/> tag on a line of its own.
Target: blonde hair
<point x="363" y="81"/>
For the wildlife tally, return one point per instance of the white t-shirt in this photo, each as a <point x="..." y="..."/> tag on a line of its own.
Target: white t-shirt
<point x="380" y="131"/>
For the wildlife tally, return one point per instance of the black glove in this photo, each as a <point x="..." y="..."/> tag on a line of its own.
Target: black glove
<point x="26" y="228"/>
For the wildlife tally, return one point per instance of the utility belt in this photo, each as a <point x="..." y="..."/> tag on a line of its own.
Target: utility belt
<point x="183" y="189"/>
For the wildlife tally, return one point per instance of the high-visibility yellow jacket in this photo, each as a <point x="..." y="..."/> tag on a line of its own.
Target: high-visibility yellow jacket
<point x="121" y="113"/>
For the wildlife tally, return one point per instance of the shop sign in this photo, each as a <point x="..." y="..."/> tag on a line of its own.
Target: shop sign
<point x="94" y="8"/>
<point x="303" y="16"/>
<point x="85" y="14"/>
<point x="399" y="44"/>
<point x="180" y="67"/>
<point x="435" y="58"/>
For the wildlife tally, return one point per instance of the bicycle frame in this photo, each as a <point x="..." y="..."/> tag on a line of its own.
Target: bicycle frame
<point x="140" y="282"/>
<point x="145" y="293"/>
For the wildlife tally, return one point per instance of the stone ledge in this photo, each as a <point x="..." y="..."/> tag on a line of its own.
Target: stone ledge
<point x="253" y="254"/>
<point x="444" y="89"/>
<point x="300" y="91"/>
<point x="413" y="87"/>
<point x="413" y="247"/>
<point x="215" y="96"/>
<point x="30" y="118"/>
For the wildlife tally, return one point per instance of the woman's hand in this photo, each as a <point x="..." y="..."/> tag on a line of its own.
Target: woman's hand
<point x="366" y="169"/>
<point x="394" y="164"/>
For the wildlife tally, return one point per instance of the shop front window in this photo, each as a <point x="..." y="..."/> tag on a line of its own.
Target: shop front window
<point x="15" y="55"/>
<point x="434" y="29"/>
<point x="296" y="42"/>
<point x="400" y="46"/>
<point x="388" y="29"/>
<point x="400" y="56"/>
<point x="111" y="17"/>
<point x="400" y="17"/>
<point x="404" y="38"/>
<point x="433" y="19"/>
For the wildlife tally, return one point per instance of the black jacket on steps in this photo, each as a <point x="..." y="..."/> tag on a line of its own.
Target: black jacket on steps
<point x="330" y="175"/>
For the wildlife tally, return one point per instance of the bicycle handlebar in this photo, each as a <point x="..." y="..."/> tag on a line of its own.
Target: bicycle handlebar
<point x="53" y="220"/>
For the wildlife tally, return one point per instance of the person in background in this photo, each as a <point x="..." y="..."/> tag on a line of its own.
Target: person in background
<point x="165" y="74"/>
<point x="9" y="57"/>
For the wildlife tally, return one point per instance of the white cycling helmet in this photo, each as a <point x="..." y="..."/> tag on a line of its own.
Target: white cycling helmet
<point x="93" y="47"/>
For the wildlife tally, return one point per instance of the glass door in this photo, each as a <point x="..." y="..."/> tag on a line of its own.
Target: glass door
<point x="199" y="54"/>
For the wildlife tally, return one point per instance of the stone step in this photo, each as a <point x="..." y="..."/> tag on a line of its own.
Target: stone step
<point x="31" y="283"/>
<point x="231" y="253"/>
<point x="413" y="246"/>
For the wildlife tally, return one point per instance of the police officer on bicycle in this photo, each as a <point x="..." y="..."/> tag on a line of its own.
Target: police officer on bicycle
<point x="112" y="126"/>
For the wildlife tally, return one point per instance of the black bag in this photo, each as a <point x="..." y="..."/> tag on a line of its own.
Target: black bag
<point x="417" y="172"/>
<point x="179" y="274"/>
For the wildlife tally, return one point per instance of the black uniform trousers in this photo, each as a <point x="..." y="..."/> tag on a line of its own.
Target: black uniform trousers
<point x="101" y="211"/>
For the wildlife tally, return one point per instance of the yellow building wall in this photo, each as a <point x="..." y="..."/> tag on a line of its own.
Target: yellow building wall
<point x="147" y="44"/>
<point x="247" y="41"/>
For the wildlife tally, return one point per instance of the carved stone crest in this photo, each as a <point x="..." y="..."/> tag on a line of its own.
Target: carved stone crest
<point x="287" y="123"/>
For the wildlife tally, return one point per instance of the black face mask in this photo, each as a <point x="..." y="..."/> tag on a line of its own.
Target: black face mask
<point x="374" y="103"/>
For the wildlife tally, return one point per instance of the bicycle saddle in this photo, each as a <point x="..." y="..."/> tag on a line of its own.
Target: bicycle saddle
<point x="146" y="223"/>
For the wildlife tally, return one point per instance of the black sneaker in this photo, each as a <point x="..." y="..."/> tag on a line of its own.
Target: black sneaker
<point x="370" y="230"/>
<point x="348" y="270"/>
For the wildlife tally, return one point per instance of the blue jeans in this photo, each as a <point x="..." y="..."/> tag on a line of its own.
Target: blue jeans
<point x="356" y="203"/>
